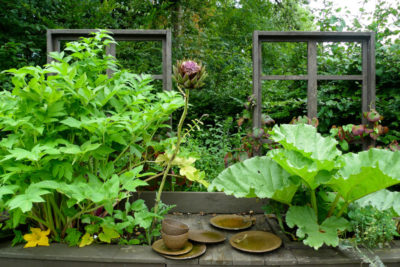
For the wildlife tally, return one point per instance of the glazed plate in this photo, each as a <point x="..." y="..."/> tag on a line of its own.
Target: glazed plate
<point x="231" y="222"/>
<point x="197" y="251"/>
<point x="205" y="236"/>
<point x="255" y="241"/>
<point x="160" y="247"/>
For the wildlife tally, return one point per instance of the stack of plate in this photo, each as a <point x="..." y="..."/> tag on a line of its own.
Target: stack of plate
<point x="190" y="250"/>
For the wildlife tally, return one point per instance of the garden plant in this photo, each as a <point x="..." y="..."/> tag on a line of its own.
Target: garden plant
<point x="313" y="178"/>
<point x="75" y="144"/>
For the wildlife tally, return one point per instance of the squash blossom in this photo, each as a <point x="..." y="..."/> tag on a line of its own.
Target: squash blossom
<point x="37" y="238"/>
<point x="189" y="74"/>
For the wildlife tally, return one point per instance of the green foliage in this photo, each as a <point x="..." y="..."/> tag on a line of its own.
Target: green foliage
<point x="306" y="153"/>
<point x="313" y="233"/>
<point x="77" y="140"/>
<point x="330" y="181"/>
<point x="256" y="177"/>
<point x="377" y="166"/>
<point x="382" y="200"/>
<point x="372" y="228"/>
<point x="73" y="236"/>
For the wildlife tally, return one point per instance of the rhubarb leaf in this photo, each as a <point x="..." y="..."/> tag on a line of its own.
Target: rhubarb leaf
<point x="257" y="177"/>
<point x="313" y="233"/>
<point x="308" y="142"/>
<point x="366" y="172"/>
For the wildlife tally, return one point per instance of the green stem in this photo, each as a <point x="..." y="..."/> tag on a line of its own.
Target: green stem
<point x="50" y="215"/>
<point x="161" y="173"/>
<point x="35" y="218"/>
<point x="123" y="152"/>
<point x="57" y="210"/>
<point x="70" y="220"/>
<point x="333" y="206"/>
<point x="342" y="209"/>
<point x="314" y="202"/>
<point x="176" y="151"/>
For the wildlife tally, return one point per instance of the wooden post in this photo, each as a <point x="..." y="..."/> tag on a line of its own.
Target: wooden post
<point x="257" y="88"/>
<point x="111" y="50"/>
<point x="312" y="80"/>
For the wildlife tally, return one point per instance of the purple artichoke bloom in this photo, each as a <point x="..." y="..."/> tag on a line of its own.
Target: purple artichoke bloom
<point x="190" y="67"/>
<point x="189" y="74"/>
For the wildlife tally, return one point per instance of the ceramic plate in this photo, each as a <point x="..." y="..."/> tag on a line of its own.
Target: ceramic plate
<point x="231" y="222"/>
<point x="197" y="251"/>
<point x="160" y="247"/>
<point x="205" y="236"/>
<point x="255" y="241"/>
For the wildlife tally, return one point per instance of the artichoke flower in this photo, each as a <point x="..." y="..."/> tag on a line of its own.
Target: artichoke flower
<point x="189" y="74"/>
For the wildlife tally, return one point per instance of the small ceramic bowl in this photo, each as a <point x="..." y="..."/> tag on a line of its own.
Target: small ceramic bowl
<point x="175" y="242"/>
<point x="172" y="227"/>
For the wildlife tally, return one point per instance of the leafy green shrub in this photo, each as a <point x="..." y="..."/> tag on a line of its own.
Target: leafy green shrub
<point x="372" y="228"/>
<point x="75" y="142"/>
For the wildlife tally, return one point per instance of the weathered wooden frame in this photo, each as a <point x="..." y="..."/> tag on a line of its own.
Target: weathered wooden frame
<point x="367" y="40"/>
<point x="54" y="36"/>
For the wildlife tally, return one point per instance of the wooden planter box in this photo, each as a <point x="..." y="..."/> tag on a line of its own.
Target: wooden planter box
<point x="290" y="254"/>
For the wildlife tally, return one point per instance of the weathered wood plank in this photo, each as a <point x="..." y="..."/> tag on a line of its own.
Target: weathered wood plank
<point x="312" y="80"/>
<point x="208" y="202"/>
<point x="272" y="36"/>
<point x="364" y="92"/>
<point x="319" y="77"/>
<point x="340" y="77"/>
<point x="111" y="50"/>
<point x="157" y="76"/>
<point x="217" y="254"/>
<point x="284" y="77"/>
<point x="324" y="256"/>
<point x="257" y="86"/>
<point x="167" y="62"/>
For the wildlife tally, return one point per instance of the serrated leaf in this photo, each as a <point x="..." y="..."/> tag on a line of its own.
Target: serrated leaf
<point x="108" y="234"/>
<point x="26" y="200"/>
<point x="314" y="234"/>
<point x="73" y="236"/>
<point x="257" y="177"/>
<point x="132" y="184"/>
<point x="7" y="190"/>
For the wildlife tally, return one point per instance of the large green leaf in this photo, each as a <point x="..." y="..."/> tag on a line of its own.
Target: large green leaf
<point x="313" y="233"/>
<point x="366" y="172"/>
<point x="257" y="177"/>
<point x="308" y="142"/>
<point x="382" y="200"/>
<point x="296" y="164"/>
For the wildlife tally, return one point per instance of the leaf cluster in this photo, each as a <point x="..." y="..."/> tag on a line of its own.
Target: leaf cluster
<point x="74" y="139"/>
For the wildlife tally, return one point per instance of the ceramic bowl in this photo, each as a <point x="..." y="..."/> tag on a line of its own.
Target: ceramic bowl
<point x="175" y="242"/>
<point x="173" y="227"/>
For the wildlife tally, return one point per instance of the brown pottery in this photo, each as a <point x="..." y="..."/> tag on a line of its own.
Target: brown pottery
<point x="173" y="227"/>
<point x="175" y="242"/>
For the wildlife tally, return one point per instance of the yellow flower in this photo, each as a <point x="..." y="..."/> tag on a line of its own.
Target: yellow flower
<point x="38" y="237"/>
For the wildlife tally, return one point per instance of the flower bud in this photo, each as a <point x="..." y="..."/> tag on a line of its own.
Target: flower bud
<point x="189" y="74"/>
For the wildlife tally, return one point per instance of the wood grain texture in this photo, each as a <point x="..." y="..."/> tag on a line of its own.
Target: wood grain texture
<point x="312" y="80"/>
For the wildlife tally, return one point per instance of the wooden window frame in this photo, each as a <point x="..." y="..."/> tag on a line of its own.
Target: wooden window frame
<point x="55" y="36"/>
<point x="367" y="77"/>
